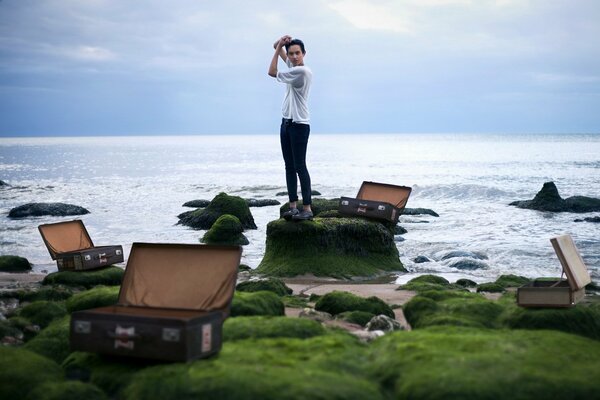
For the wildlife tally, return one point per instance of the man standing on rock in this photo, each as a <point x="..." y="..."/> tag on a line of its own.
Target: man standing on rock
<point x="295" y="124"/>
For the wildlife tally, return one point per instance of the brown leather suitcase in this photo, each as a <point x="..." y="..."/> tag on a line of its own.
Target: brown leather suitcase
<point x="69" y="243"/>
<point x="172" y="304"/>
<point x="376" y="200"/>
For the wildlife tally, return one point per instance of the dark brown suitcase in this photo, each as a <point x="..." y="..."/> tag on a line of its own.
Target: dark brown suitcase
<point x="376" y="200"/>
<point x="172" y="304"/>
<point x="69" y="243"/>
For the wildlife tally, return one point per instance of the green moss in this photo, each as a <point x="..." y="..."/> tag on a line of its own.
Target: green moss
<point x="222" y="204"/>
<point x="256" y="303"/>
<point x="361" y="318"/>
<point x="337" y="302"/>
<point x="318" y="206"/>
<point x="322" y="367"/>
<point x="107" y="276"/>
<point x="418" y="308"/>
<point x="490" y="287"/>
<point x="227" y="229"/>
<point x="67" y="391"/>
<point x="430" y="279"/>
<point x="295" y="301"/>
<point x="461" y="363"/>
<point x="582" y="320"/>
<point x="97" y="297"/>
<point x="274" y="285"/>
<point x="338" y="247"/>
<point x="22" y="371"/>
<point x="270" y="327"/>
<point x="53" y="341"/>
<point x="425" y="286"/>
<point x="54" y="293"/>
<point x="467" y="283"/>
<point x="512" y="280"/>
<point x="14" y="264"/>
<point x="7" y="328"/>
<point x="42" y="312"/>
<point x="111" y="374"/>
<point x="244" y="267"/>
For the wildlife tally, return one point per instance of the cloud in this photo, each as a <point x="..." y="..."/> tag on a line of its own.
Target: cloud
<point x="365" y="15"/>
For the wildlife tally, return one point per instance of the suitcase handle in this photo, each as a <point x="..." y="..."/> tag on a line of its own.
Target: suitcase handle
<point x="113" y="335"/>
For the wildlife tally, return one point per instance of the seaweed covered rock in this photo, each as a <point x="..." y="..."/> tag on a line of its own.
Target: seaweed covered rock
<point x="321" y="367"/>
<point x="196" y="203"/>
<point x="14" y="264"/>
<point x="491" y="287"/>
<point x="40" y="209"/>
<point x="318" y="206"/>
<point x="511" y="280"/>
<point x="421" y="259"/>
<point x="361" y="318"/>
<point x="42" y="312"/>
<point x="595" y="219"/>
<point x="274" y="285"/>
<point x="97" y="297"/>
<point x="419" y="211"/>
<point x="222" y="204"/>
<point x="262" y="202"/>
<point x="464" y="282"/>
<point x="256" y="303"/>
<point x="227" y="229"/>
<point x="53" y="341"/>
<point x="461" y="363"/>
<point x="337" y="302"/>
<point x="52" y="293"/>
<point x="428" y="282"/>
<point x="69" y="390"/>
<point x="270" y="327"/>
<point x="458" y="308"/>
<point x="108" y="276"/>
<point x="548" y="199"/>
<point x="337" y="247"/>
<point x="22" y="371"/>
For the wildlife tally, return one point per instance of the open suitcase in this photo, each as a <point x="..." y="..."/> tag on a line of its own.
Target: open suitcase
<point x="376" y="200"/>
<point x="560" y="292"/>
<point x="69" y="243"/>
<point x="172" y="304"/>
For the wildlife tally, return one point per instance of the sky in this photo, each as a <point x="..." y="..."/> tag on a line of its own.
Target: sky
<point x="186" y="67"/>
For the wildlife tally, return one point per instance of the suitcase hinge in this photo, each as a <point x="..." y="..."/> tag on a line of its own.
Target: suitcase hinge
<point x="82" y="327"/>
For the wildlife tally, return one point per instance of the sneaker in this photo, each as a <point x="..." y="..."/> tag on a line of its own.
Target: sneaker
<point x="288" y="215"/>
<point x="303" y="216"/>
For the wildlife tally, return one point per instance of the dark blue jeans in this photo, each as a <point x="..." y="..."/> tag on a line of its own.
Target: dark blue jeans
<point x="294" y="140"/>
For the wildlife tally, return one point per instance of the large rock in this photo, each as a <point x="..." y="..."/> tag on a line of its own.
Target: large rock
<point x="256" y="303"/>
<point x="196" y="203"/>
<point x="40" y="209"/>
<point x="383" y="323"/>
<point x="227" y="229"/>
<point x="270" y="327"/>
<point x="262" y="202"/>
<point x="220" y="205"/>
<point x="108" y="276"/>
<point x="337" y="302"/>
<point x="419" y="211"/>
<point x="337" y="247"/>
<point x="14" y="264"/>
<point x="595" y="219"/>
<point x="466" y="254"/>
<point x="548" y="199"/>
<point x="274" y="285"/>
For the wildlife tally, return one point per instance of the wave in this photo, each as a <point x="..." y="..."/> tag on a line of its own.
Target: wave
<point x="460" y="191"/>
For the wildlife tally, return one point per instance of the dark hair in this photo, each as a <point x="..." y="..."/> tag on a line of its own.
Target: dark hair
<point x="293" y="42"/>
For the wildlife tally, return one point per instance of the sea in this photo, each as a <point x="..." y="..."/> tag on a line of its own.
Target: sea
<point x="134" y="188"/>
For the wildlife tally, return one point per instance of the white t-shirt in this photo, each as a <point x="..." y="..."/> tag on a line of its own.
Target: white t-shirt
<point x="295" y="102"/>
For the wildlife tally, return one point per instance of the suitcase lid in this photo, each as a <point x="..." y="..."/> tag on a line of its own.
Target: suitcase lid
<point x="571" y="261"/>
<point x="393" y="194"/>
<point x="63" y="237"/>
<point x="180" y="276"/>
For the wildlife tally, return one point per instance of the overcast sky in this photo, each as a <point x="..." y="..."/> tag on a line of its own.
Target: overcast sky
<point x="147" y="67"/>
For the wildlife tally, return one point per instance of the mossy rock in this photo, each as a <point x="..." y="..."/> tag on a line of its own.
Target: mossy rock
<point x="466" y="363"/>
<point x="69" y="390"/>
<point x="321" y="367"/>
<point x="274" y="285"/>
<point x="53" y="341"/>
<point x="318" y="206"/>
<point x="99" y="296"/>
<point x="361" y="318"/>
<point x="428" y="282"/>
<point x="337" y="302"/>
<point x="8" y="328"/>
<point x="439" y="280"/>
<point x="222" y="204"/>
<point x="108" y="276"/>
<point x="582" y="320"/>
<point x="467" y="283"/>
<point x="22" y="371"/>
<point x="14" y="264"/>
<point x="548" y="199"/>
<point x="42" y="312"/>
<point x="491" y="287"/>
<point x="457" y="308"/>
<point x="511" y="280"/>
<point x="295" y="301"/>
<point x="244" y="268"/>
<point x="270" y="327"/>
<point x="51" y="293"/>
<point x="227" y="229"/>
<point x="111" y="374"/>
<point x="337" y="247"/>
<point x="256" y="303"/>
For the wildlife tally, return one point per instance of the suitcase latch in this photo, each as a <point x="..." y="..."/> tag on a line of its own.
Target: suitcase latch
<point x="381" y="208"/>
<point x="82" y="327"/>
<point x="118" y="252"/>
<point x="87" y="257"/>
<point x="345" y="202"/>
<point x="171" y="334"/>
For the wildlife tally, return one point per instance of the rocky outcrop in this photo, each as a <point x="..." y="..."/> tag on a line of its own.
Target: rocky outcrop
<point x="590" y="219"/>
<point x="548" y="199"/>
<point x="419" y="211"/>
<point x="337" y="247"/>
<point x="14" y="264"/>
<point x="227" y="229"/>
<point x="262" y="202"/>
<point x="204" y="218"/>
<point x="464" y="254"/>
<point x="196" y="203"/>
<point x="41" y="209"/>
